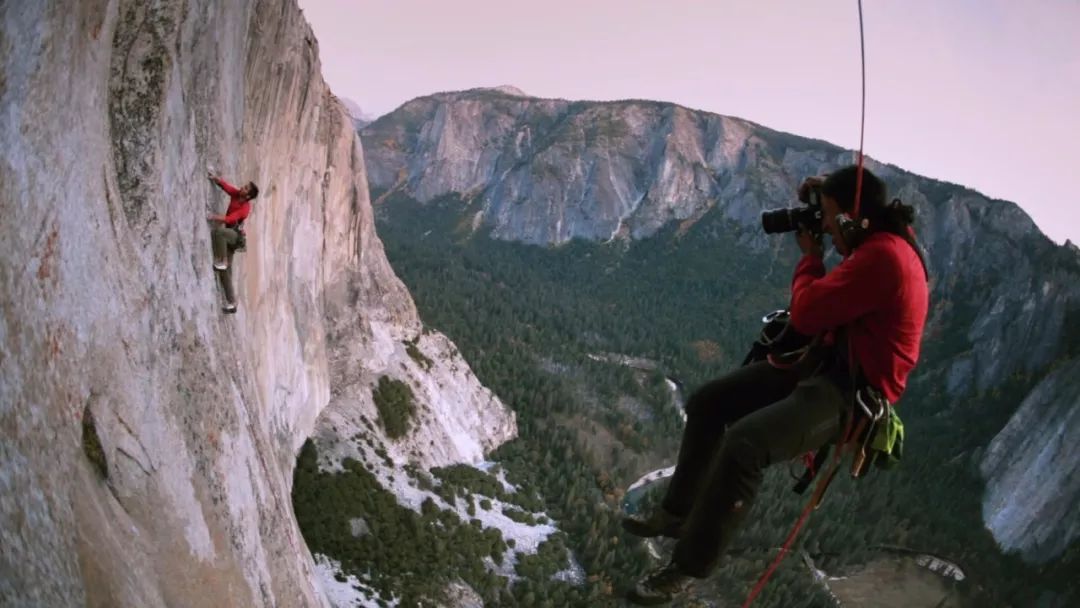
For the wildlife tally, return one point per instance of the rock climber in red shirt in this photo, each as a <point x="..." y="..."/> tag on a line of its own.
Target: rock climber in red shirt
<point x="872" y="306"/>
<point x="229" y="236"/>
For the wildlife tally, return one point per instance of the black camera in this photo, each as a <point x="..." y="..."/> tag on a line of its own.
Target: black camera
<point x="779" y="339"/>
<point x="789" y="220"/>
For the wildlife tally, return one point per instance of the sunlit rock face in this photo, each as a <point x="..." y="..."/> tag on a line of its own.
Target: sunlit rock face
<point x="149" y="440"/>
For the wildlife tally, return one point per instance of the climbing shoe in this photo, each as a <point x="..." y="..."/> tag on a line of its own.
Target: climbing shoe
<point x="229" y="309"/>
<point x="220" y="265"/>
<point x="660" y="586"/>
<point x="660" y="523"/>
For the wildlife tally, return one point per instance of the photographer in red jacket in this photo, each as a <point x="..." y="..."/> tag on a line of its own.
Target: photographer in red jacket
<point x="762" y="414"/>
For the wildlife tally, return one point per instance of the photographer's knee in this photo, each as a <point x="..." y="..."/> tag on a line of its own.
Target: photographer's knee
<point x="694" y="406"/>
<point x="744" y="446"/>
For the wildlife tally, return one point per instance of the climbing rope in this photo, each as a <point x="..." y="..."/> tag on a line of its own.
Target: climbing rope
<point x="849" y="434"/>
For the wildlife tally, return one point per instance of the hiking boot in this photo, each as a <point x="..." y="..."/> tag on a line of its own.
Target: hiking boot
<point x="221" y="265"/>
<point x="660" y="586"/>
<point x="229" y="308"/>
<point x="659" y="523"/>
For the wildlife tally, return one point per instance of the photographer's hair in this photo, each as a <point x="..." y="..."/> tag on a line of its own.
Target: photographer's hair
<point x="254" y="190"/>
<point x="894" y="217"/>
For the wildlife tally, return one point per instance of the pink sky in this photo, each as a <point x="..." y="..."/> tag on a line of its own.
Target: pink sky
<point x="981" y="93"/>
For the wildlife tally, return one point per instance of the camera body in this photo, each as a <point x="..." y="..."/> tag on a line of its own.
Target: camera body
<point x="777" y="221"/>
<point x="779" y="342"/>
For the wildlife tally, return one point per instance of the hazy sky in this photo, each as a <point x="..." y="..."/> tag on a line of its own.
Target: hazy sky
<point x="984" y="93"/>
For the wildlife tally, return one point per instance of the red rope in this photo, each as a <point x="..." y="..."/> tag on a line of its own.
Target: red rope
<point x="808" y="461"/>
<point x="862" y="122"/>
<point x="848" y="430"/>
<point x="783" y="552"/>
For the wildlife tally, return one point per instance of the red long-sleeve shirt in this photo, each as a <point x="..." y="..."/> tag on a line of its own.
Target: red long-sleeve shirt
<point x="880" y="294"/>
<point x="239" y="207"/>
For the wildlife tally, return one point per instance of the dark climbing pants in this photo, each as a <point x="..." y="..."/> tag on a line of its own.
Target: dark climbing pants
<point x="735" y="427"/>
<point x="224" y="242"/>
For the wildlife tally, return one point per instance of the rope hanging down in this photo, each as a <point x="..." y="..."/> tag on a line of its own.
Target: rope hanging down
<point x="849" y="432"/>
<point x="862" y="121"/>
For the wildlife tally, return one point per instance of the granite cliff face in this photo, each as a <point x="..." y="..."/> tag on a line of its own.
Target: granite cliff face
<point x="1005" y="301"/>
<point x="1040" y="439"/>
<point x="148" y="440"/>
<point x="546" y="171"/>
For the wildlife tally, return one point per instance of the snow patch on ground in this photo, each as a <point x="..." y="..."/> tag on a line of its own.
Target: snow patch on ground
<point x="526" y="538"/>
<point x="573" y="573"/>
<point x="352" y="593"/>
<point x="651" y="477"/>
<point x="940" y="566"/>
<point x="396" y="479"/>
<point x="486" y="467"/>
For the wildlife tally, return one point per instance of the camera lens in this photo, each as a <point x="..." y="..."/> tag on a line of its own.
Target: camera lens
<point x="777" y="221"/>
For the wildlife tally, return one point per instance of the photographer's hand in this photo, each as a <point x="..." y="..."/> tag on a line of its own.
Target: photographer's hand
<point x="807" y="185"/>
<point x="809" y="243"/>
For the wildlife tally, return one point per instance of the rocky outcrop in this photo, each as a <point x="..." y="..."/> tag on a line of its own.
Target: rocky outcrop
<point x="1027" y="456"/>
<point x="148" y="440"/>
<point x="456" y="420"/>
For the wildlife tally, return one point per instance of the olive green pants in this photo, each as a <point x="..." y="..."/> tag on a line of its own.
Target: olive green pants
<point x="735" y="427"/>
<point x="224" y="242"/>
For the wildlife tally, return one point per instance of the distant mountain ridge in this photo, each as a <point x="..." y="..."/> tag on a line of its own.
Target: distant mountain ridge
<point x="359" y="117"/>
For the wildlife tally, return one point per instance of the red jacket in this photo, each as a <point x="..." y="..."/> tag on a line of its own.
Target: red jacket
<point x="880" y="294"/>
<point x="239" y="207"/>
